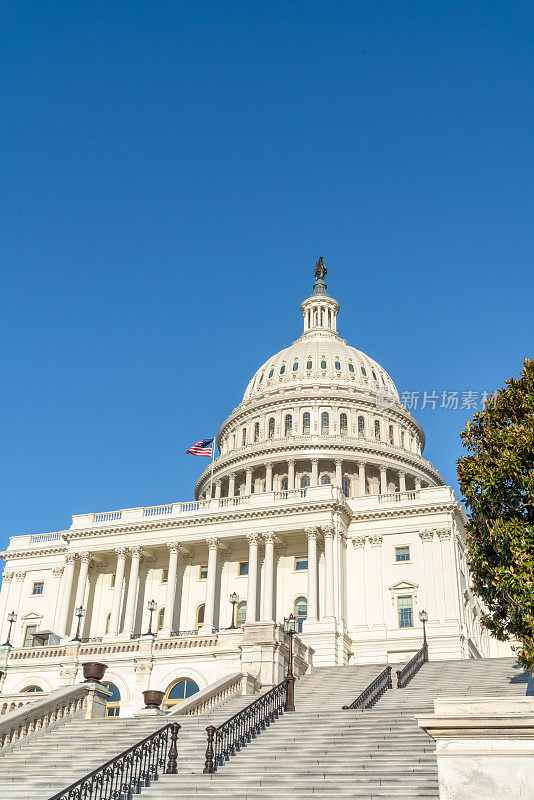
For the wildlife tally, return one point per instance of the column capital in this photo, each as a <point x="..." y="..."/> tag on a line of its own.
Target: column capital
<point x="121" y="552"/>
<point x="376" y="539"/>
<point x="8" y="576"/>
<point x="338" y="462"/>
<point x="358" y="541"/>
<point x="269" y="536"/>
<point x="291" y="461"/>
<point x="312" y="533"/>
<point x="315" y="461"/>
<point x="443" y="533"/>
<point x="328" y="531"/>
<point x="248" y="470"/>
<point x="232" y="475"/>
<point x="402" y="472"/>
<point x="136" y="551"/>
<point x="174" y="547"/>
<point x="70" y="558"/>
<point x="57" y="572"/>
<point x="427" y="535"/>
<point x="86" y="556"/>
<point x="253" y="538"/>
<point x="360" y="464"/>
<point x="213" y="543"/>
<point x="218" y="481"/>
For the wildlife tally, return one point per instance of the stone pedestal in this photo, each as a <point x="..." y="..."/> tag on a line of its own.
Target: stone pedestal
<point x="264" y="652"/>
<point x="484" y="747"/>
<point x="329" y="642"/>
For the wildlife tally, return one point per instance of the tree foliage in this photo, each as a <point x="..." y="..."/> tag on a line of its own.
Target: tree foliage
<point x="497" y="481"/>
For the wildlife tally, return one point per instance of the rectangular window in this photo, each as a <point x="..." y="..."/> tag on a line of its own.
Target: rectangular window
<point x="203" y="572"/>
<point x="405" y="607"/>
<point x="164" y="575"/>
<point x="112" y="581"/>
<point x="301" y="563"/>
<point x="29" y="633"/>
<point x="38" y="587"/>
<point x="402" y="554"/>
<point x="242" y="568"/>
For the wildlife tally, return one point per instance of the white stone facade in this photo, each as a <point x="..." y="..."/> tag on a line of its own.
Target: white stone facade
<point x="321" y="462"/>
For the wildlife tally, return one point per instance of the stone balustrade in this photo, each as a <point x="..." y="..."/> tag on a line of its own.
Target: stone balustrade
<point x="10" y="702"/>
<point x="238" y="683"/>
<point x="87" y="700"/>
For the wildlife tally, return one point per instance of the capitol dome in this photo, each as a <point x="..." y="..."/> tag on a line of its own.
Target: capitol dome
<point x="319" y="411"/>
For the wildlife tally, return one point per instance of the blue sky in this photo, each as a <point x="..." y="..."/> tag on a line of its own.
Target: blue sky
<point x="170" y="174"/>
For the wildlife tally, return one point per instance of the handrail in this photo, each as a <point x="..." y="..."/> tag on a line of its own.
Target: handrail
<point x="237" y="731"/>
<point x="413" y="666"/>
<point x="373" y="692"/>
<point x="126" y="774"/>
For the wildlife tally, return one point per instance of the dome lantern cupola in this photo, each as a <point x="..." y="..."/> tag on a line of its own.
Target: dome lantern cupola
<point x="320" y="310"/>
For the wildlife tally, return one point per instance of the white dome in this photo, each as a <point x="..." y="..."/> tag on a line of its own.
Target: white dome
<point x="316" y="357"/>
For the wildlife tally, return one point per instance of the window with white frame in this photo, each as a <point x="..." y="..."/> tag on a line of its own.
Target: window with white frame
<point x="301" y="563"/>
<point x="361" y="426"/>
<point x="256" y="431"/>
<point x="377" y="429"/>
<point x="242" y="568"/>
<point x="325" y="423"/>
<point x="270" y="433"/>
<point x="402" y="553"/>
<point x="288" y="424"/>
<point x="405" y="610"/>
<point x="345" y="485"/>
<point x="343" y="424"/>
<point x="38" y="587"/>
<point x="306" y="423"/>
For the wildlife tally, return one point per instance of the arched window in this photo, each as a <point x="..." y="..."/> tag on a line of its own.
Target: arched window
<point x="108" y="620"/>
<point x="345" y="485"/>
<point x="377" y="429"/>
<point x="323" y="364"/>
<point x="244" y="437"/>
<point x="301" y="610"/>
<point x="364" y="372"/>
<point x="282" y="369"/>
<point x="161" y="614"/>
<point x="351" y="367"/>
<point x="402" y="438"/>
<point x="113" y="702"/>
<point x="271" y="373"/>
<point x="361" y="426"/>
<point x="304" y="481"/>
<point x="325" y="480"/>
<point x="241" y="616"/>
<point x="270" y="433"/>
<point x="32" y="689"/>
<point x="295" y="366"/>
<point x="391" y="440"/>
<point x="200" y="616"/>
<point x="309" y="364"/>
<point x="325" y="423"/>
<point x="288" y="424"/>
<point x="179" y="691"/>
<point x="284" y="484"/>
<point x="256" y="431"/>
<point x="374" y="375"/>
<point x="306" y="423"/>
<point x="343" y="424"/>
<point x="337" y="365"/>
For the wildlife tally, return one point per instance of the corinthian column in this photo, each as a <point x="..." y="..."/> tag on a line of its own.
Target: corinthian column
<point x="85" y="560"/>
<point x="377" y="585"/>
<point x="449" y="584"/>
<point x="312" y="534"/>
<point x="268" y="577"/>
<point x="170" y="595"/>
<point x="131" y="601"/>
<point x="252" y="588"/>
<point x="70" y="562"/>
<point x="328" y="533"/>
<point x="315" y="472"/>
<point x="361" y="478"/>
<point x="209" y="608"/>
<point x="117" y="591"/>
<point x="427" y="539"/>
<point x="291" y="474"/>
<point x="268" y="478"/>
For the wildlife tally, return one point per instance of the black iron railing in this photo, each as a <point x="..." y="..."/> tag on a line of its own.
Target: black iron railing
<point x="236" y="732"/>
<point x="127" y="773"/>
<point x="184" y="633"/>
<point x="374" y="691"/>
<point x="413" y="666"/>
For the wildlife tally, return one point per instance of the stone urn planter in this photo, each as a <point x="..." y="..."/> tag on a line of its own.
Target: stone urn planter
<point x="93" y="671"/>
<point x="153" y="698"/>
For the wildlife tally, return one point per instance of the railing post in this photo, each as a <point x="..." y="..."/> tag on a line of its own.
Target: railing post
<point x="172" y="764"/>
<point x="290" y="696"/>
<point x="209" y="766"/>
<point x="390" y="684"/>
<point x="399" y="681"/>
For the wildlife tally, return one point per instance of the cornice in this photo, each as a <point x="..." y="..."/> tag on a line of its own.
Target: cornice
<point x="35" y="551"/>
<point x="396" y="513"/>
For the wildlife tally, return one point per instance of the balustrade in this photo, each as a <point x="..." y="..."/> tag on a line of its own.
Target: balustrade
<point x="413" y="666"/>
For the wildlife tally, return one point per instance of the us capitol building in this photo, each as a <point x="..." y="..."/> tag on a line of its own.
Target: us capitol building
<point x="320" y="504"/>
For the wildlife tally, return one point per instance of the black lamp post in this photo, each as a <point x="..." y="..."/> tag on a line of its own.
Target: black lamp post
<point x="11" y="618"/>
<point x="291" y="626"/>
<point x="80" y="613"/>
<point x="151" y="605"/>
<point x="234" y="599"/>
<point x="423" y="616"/>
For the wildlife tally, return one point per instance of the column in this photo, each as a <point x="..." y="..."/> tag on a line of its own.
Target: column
<point x="417" y="484"/>
<point x="315" y="472"/>
<point x="361" y="478"/>
<point x="131" y="601"/>
<point x="252" y="586"/>
<point x="383" y="481"/>
<point x="4" y="607"/>
<point x="248" y="483"/>
<point x="358" y="581"/>
<point x="427" y="539"/>
<point x="377" y="585"/>
<point x="328" y="533"/>
<point x="291" y="474"/>
<point x="231" y="484"/>
<point x="339" y="472"/>
<point x="209" y="611"/>
<point x="444" y="536"/>
<point x="70" y="562"/>
<point x="402" y="481"/>
<point x="117" y="591"/>
<point x="268" y="478"/>
<point x="85" y="560"/>
<point x="268" y="577"/>
<point x="170" y="594"/>
<point x="217" y="489"/>
<point x="312" y="534"/>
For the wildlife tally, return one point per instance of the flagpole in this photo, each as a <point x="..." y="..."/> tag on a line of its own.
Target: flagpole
<point x="212" y="462"/>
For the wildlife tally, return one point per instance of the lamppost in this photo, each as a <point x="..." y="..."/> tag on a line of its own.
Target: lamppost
<point x="80" y="613"/>
<point x="291" y="626"/>
<point x="423" y="616"/>
<point x="234" y="599"/>
<point x="151" y="605"/>
<point x="11" y="618"/>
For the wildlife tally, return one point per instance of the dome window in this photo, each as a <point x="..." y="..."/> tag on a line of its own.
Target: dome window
<point x="361" y="426"/>
<point x="271" y="373"/>
<point x="364" y="372"/>
<point x="351" y="367"/>
<point x="345" y="486"/>
<point x="261" y="378"/>
<point x="343" y="424"/>
<point x="244" y="437"/>
<point x="402" y="438"/>
<point x="383" y="381"/>
<point x="304" y="481"/>
<point x="374" y="376"/>
<point x="309" y="365"/>
<point x="325" y="480"/>
<point x="325" y="423"/>
<point x="288" y="424"/>
<point x="323" y="364"/>
<point x="270" y="428"/>
<point x="306" y="423"/>
<point x="377" y="429"/>
<point x="282" y="369"/>
<point x="391" y="439"/>
<point x="337" y="365"/>
<point x="256" y="431"/>
<point x="295" y="366"/>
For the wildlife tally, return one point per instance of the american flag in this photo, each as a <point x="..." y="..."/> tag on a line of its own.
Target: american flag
<point x="202" y="448"/>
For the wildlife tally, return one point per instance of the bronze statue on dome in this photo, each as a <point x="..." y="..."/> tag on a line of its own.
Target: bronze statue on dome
<point x="320" y="269"/>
